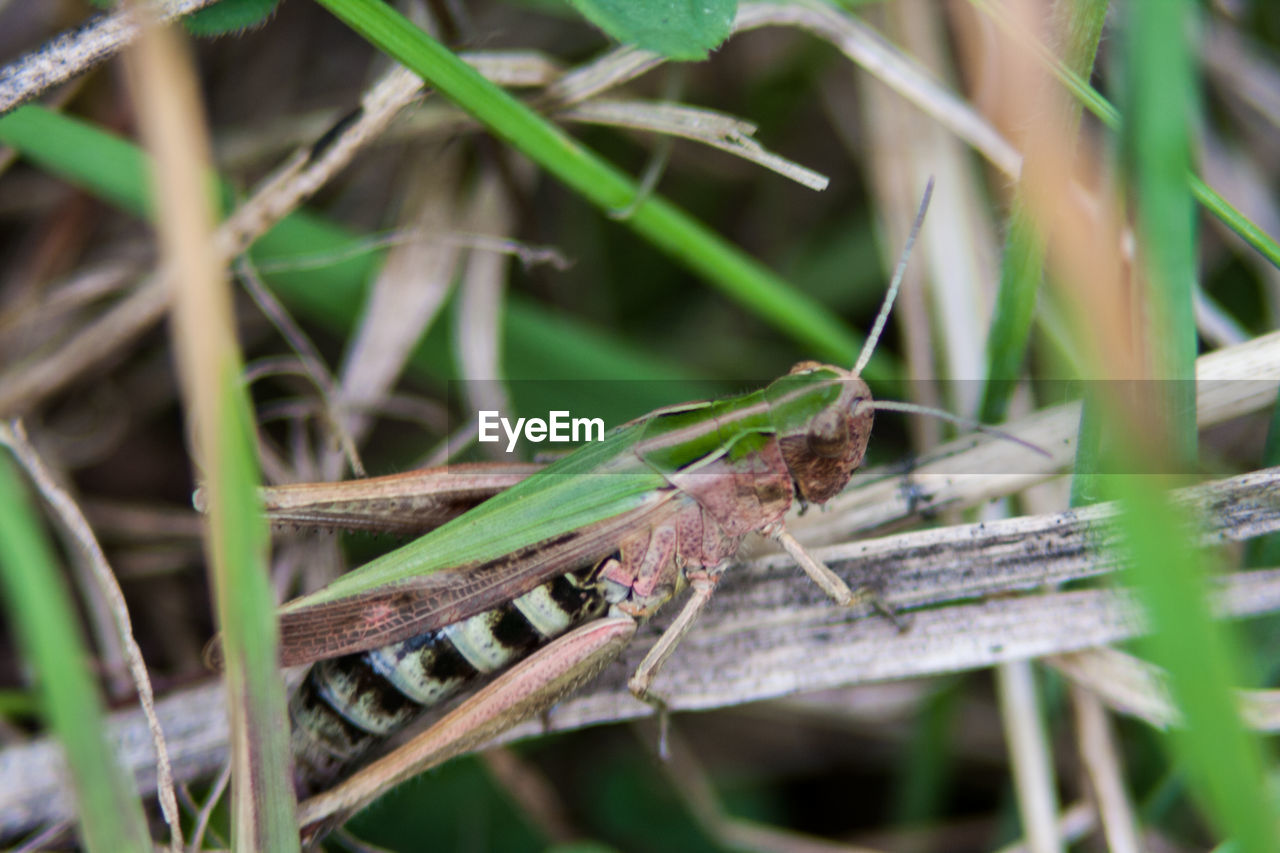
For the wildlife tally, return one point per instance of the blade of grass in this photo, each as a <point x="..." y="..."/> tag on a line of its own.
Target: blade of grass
<point x="102" y="580"/>
<point x="1023" y="263"/>
<point x="1021" y="269"/>
<point x="223" y="442"/>
<point x="41" y="611"/>
<point x="665" y="225"/>
<point x="1221" y="759"/>
<point x="1162" y="97"/>
<point x="1223" y="762"/>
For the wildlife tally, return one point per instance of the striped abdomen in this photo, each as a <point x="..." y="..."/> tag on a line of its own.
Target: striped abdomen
<point x="346" y="705"/>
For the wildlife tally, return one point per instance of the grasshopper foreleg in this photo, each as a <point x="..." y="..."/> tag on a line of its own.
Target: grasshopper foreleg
<point x="829" y="582"/>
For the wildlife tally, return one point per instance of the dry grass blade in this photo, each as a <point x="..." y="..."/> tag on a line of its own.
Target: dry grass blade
<point x="24" y="387"/>
<point x="1033" y="773"/>
<point x="856" y="40"/>
<point x="218" y="788"/>
<point x="709" y="127"/>
<point x="27" y="385"/>
<point x="1132" y="686"/>
<point x="864" y="46"/>
<point x="479" y="313"/>
<point x="950" y="563"/>
<point x="308" y="171"/>
<point x="78" y="50"/>
<point x="309" y="361"/>
<point x="880" y="97"/>
<point x="237" y="149"/>
<point x="514" y="68"/>
<point x="1125" y="683"/>
<point x="1102" y="764"/>
<point x="1074" y="823"/>
<point x="764" y="650"/>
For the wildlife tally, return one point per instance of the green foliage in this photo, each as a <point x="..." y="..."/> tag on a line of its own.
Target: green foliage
<point x="678" y="29"/>
<point x="1222" y="761"/>
<point x="239" y="546"/>
<point x="48" y="630"/>
<point x="229" y="16"/>
<point x="221" y="18"/>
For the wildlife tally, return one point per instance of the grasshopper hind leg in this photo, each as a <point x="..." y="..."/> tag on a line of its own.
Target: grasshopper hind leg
<point x="703" y="585"/>
<point x="644" y="575"/>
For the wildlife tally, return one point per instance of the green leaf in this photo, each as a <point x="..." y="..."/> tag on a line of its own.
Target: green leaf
<point x="43" y="618"/>
<point x="229" y="16"/>
<point x="678" y="29"/>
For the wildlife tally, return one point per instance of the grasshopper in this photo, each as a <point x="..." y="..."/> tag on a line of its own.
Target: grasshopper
<point x="565" y="560"/>
<point x="668" y="499"/>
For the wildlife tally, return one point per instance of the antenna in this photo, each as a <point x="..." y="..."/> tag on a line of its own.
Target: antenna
<point x="912" y="408"/>
<point x="894" y="285"/>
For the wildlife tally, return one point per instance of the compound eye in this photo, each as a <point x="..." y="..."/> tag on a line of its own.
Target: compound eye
<point x="828" y="435"/>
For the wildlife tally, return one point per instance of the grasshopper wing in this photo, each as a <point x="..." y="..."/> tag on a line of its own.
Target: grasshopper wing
<point x="407" y="504"/>
<point x="570" y="515"/>
<point x="385" y="616"/>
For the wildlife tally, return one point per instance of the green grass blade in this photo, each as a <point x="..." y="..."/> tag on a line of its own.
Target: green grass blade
<point x="1086" y="483"/>
<point x="1223" y="762"/>
<point x="1235" y="220"/>
<point x="42" y="613"/>
<point x="106" y="165"/>
<point x="662" y="223"/>
<point x="1155" y="138"/>
<point x="1022" y="266"/>
<point x="222" y="441"/>
<point x="239" y="542"/>
<point x="1021" y="270"/>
